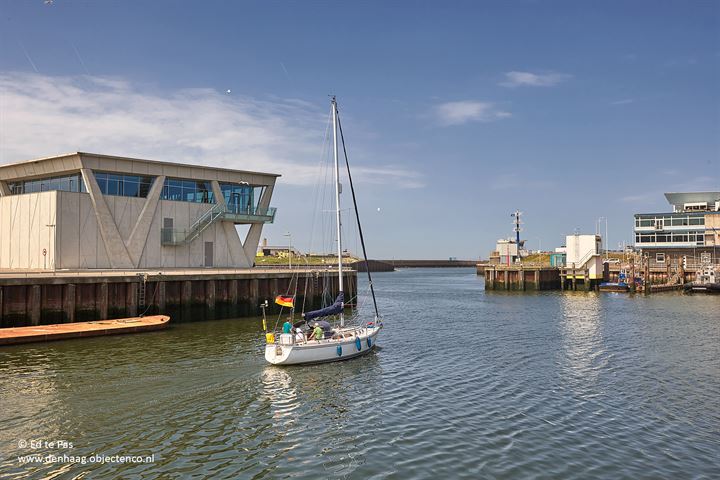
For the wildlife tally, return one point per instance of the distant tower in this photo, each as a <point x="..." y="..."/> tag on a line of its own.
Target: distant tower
<point x="517" y="228"/>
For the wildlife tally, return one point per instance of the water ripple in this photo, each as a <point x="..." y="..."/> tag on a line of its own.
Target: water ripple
<point x="465" y="384"/>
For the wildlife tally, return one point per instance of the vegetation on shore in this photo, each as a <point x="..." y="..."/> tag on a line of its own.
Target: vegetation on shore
<point x="300" y="260"/>
<point x="544" y="257"/>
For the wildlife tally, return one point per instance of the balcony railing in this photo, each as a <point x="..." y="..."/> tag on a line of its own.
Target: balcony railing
<point x="250" y="214"/>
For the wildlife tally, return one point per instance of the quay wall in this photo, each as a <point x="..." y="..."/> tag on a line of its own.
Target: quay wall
<point x="430" y="263"/>
<point x="42" y="300"/>
<point x="521" y="278"/>
<point x="529" y="277"/>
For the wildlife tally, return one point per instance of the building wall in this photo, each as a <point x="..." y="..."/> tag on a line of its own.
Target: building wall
<point x="579" y="247"/>
<point x="90" y="230"/>
<point x="28" y="226"/>
<point x="193" y="254"/>
<point x="80" y="244"/>
<point x="712" y="229"/>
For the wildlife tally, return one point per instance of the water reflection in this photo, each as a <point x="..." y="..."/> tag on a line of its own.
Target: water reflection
<point x="613" y="386"/>
<point x="279" y="390"/>
<point x="583" y="343"/>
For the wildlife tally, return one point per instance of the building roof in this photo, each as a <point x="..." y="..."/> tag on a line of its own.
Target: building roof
<point x="701" y="213"/>
<point x="680" y="198"/>
<point x="115" y="157"/>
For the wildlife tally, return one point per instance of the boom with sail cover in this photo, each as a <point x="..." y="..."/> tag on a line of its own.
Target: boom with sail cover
<point x="333" y="309"/>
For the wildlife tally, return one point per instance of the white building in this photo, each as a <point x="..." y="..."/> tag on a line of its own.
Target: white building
<point x="508" y="252"/>
<point x="89" y="211"/>
<point x="584" y="252"/>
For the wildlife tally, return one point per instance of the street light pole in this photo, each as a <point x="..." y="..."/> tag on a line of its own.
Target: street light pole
<point x="289" y="235"/>
<point x="607" y="241"/>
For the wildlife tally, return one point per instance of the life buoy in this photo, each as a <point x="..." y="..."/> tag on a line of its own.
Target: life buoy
<point x="339" y="350"/>
<point x="358" y="344"/>
<point x="369" y="342"/>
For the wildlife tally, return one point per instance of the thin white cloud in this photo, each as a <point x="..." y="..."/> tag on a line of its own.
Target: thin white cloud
<point x="516" y="181"/>
<point x="624" y="101"/>
<point x="528" y="79"/>
<point x="458" y="113"/>
<point x="641" y="198"/>
<point x="42" y="115"/>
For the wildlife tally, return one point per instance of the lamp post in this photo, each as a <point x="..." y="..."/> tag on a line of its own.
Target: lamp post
<point x="597" y="232"/>
<point x="289" y="235"/>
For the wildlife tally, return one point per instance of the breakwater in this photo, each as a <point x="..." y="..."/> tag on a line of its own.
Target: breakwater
<point x="186" y="295"/>
<point x="542" y="277"/>
<point x="391" y="265"/>
<point x="519" y="277"/>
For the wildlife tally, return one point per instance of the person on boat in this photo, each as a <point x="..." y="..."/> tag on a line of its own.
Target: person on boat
<point x="326" y="328"/>
<point x="299" y="335"/>
<point x="287" y="326"/>
<point x="317" y="333"/>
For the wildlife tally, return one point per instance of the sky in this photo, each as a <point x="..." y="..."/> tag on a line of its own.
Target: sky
<point x="455" y="114"/>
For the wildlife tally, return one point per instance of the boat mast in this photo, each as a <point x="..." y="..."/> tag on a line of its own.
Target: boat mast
<point x="337" y="202"/>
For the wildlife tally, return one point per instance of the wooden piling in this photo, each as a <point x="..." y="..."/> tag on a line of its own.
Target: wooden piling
<point x="69" y="302"/>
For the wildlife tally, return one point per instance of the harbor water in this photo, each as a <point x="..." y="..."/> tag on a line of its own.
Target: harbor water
<point x="465" y="384"/>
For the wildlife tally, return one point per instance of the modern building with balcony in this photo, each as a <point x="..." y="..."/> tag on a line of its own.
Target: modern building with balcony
<point x="689" y="234"/>
<point x="84" y="211"/>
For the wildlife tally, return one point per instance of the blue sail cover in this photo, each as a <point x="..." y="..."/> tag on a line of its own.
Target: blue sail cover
<point x="333" y="309"/>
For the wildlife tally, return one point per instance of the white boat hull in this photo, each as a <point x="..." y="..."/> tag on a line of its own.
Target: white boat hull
<point x="325" y="350"/>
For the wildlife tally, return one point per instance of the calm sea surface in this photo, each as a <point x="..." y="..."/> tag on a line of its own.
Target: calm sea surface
<point x="466" y="384"/>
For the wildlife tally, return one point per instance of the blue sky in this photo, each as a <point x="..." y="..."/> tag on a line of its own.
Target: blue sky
<point x="455" y="113"/>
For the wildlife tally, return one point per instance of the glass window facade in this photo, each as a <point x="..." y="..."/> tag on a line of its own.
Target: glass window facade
<point x="669" y="220"/>
<point x="124" y="185"/>
<point x="239" y="198"/>
<point x="184" y="190"/>
<point x="670" y="237"/>
<point x="67" y="183"/>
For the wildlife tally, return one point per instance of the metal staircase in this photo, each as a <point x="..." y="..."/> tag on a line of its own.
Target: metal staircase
<point x="586" y="258"/>
<point x="171" y="236"/>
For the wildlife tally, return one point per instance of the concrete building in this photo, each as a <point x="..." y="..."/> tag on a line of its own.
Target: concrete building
<point x="507" y="252"/>
<point x="584" y="252"/>
<point x="84" y="211"/>
<point x="689" y="234"/>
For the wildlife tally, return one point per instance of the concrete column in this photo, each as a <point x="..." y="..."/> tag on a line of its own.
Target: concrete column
<point x="103" y="301"/>
<point x="135" y="243"/>
<point x="210" y="294"/>
<point x="253" y="236"/>
<point x="4" y="190"/>
<point x="186" y="299"/>
<point x="254" y="290"/>
<point x="537" y="280"/>
<point x="114" y="245"/>
<point x="233" y="293"/>
<point x="275" y="289"/>
<point x="574" y="280"/>
<point x="132" y="298"/>
<point x="521" y="278"/>
<point x="69" y="302"/>
<point x="507" y="279"/>
<point x="586" y="279"/>
<point x="35" y="304"/>
<point x="162" y="296"/>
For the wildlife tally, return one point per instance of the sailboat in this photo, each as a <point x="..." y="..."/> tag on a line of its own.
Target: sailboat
<point x="347" y="341"/>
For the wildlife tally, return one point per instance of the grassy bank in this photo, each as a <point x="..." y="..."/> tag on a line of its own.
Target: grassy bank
<point x="300" y="260"/>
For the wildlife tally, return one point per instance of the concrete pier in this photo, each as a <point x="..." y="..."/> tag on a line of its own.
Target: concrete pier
<point x="521" y="277"/>
<point x="41" y="298"/>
